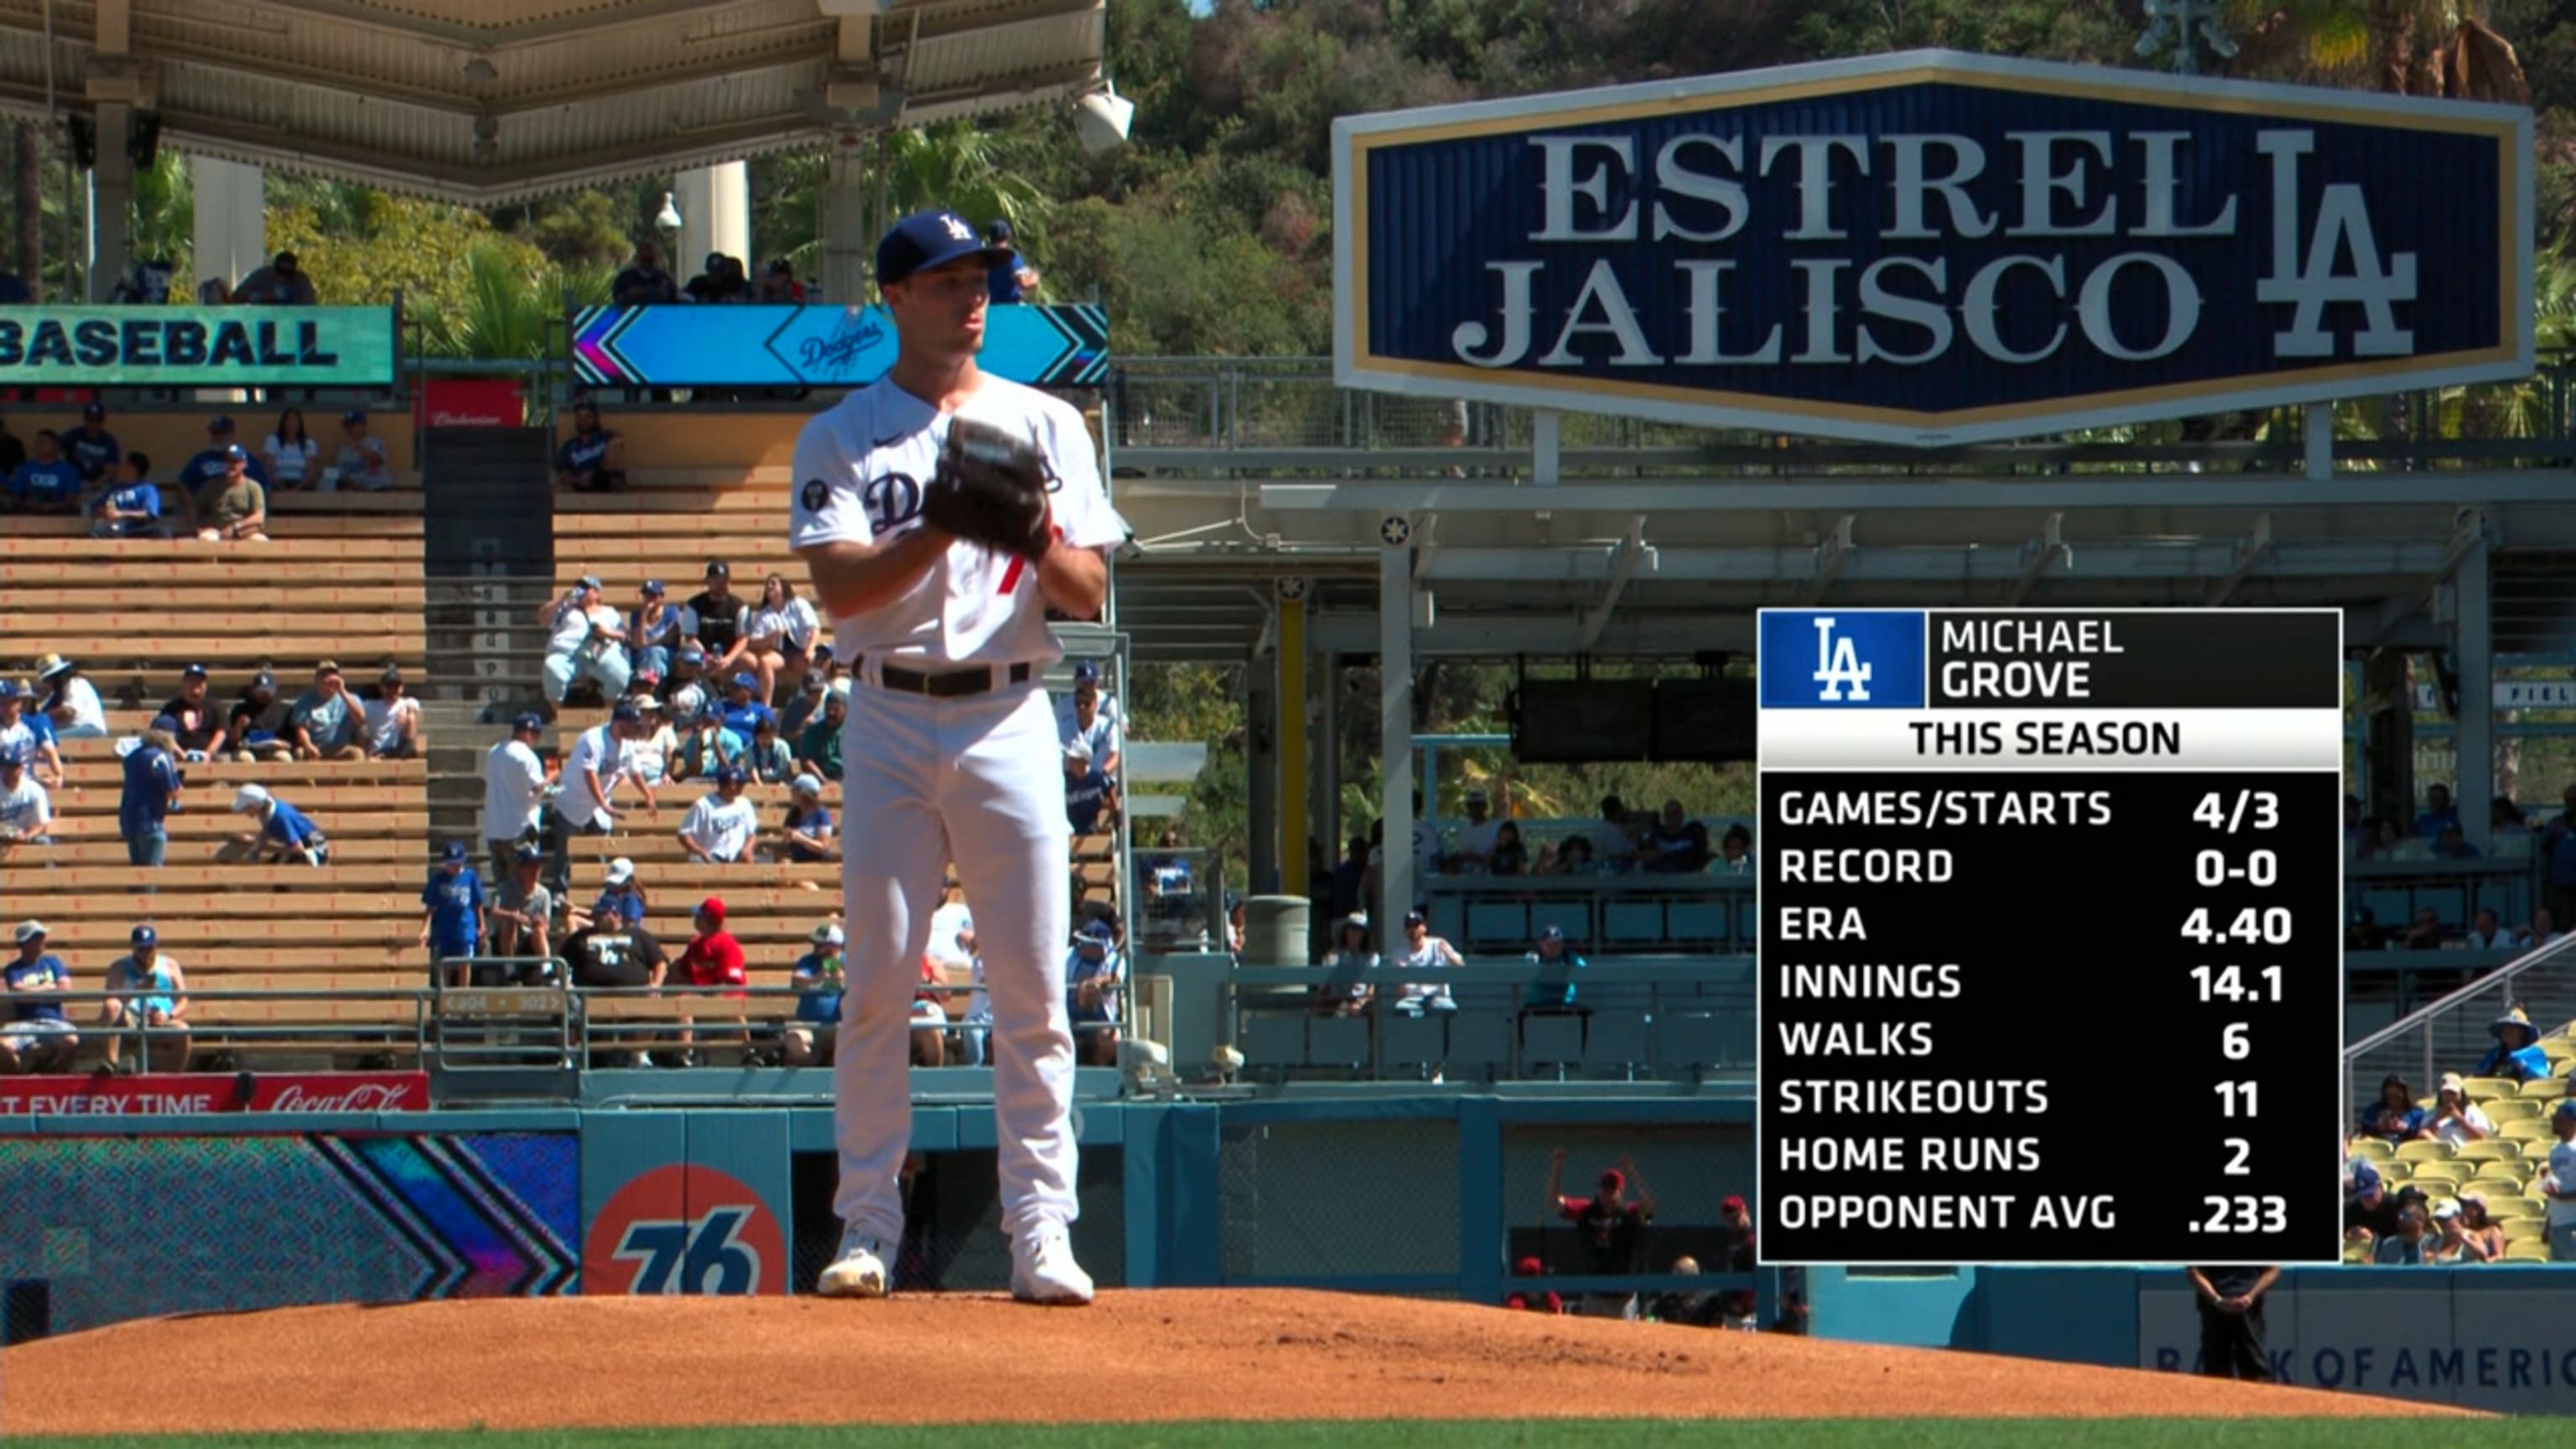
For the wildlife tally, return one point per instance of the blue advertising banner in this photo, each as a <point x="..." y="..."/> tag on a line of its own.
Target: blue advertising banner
<point x="686" y="345"/>
<point x="1932" y="248"/>
<point x="120" y="346"/>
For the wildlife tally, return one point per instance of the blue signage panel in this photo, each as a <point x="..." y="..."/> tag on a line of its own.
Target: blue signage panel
<point x="1932" y="248"/>
<point x="686" y="345"/>
<point x="1840" y="658"/>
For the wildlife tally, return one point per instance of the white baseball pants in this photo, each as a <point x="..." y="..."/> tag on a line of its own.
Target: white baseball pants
<point x="979" y="780"/>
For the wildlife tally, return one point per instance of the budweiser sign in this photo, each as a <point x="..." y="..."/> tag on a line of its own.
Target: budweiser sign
<point x="161" y="1094"/>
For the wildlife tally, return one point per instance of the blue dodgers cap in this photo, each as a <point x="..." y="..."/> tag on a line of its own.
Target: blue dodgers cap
<point x="729" y="775"/>
<point x="930" y="239"/>
<point x="528" y="854"/>
<point x="693" y="654"/>
<point x="454" y="854"/>
<point x="354" y="415"/>
<point x="746" y="681"/>
<point x="1086" y="673"/>
<point x="219" y="423"/>
<point x="193" y="671"/>
<point x="145" y="936"/>
<point x="2365" y="1177"/>
<point x="236" y="453"/>
<point x="1551" y="933"/>
<point x="626" y="714"/>
<point x="164" y="723"/>
<point x="8" y="689"/>
<point x="653" y="587"/>
<point x="1096" y="929"/>
<point x="528" y="724"/>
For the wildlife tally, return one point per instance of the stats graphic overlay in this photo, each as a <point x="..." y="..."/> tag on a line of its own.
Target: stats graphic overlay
<point x="2051" y="936"/>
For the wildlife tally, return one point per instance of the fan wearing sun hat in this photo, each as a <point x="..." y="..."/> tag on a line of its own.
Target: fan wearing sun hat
<point x="2516" y="1054"/>
<point x="69" y="700"/>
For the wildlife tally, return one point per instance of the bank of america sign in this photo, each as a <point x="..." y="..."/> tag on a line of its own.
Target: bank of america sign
<point x="1933" y="248"/>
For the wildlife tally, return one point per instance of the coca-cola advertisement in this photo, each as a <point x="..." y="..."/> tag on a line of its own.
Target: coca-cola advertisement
<point x="300" y="1094"/>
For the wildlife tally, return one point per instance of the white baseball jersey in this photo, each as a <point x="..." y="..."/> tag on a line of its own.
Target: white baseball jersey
<point x="87" y="712"/>
<point x="860" y="470"/>
<point x="598" y="751"/>
<point x="720" y="828"/>
<point x="27" y="808"/>
<point x="514" y="784"/>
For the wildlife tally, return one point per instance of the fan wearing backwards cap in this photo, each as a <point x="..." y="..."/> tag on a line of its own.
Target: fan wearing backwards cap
<point x="1610" y="1227"/>
<point x="951" y="735"/>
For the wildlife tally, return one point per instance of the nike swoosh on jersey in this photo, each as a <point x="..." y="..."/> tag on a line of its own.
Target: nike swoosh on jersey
<point x="891" y="439"/>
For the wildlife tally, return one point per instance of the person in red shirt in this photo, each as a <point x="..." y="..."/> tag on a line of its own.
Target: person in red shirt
<point x="713" y="959"/>
<point x="1610" y="1226"/>
<point x="1522" y="1300"/>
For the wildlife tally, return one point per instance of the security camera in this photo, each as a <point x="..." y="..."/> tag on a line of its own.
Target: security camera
<point x="1101" y="119"/>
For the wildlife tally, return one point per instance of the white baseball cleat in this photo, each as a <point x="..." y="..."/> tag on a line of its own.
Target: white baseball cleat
<point x="859" y="1271"/>
<point x="1043" y="1269"/>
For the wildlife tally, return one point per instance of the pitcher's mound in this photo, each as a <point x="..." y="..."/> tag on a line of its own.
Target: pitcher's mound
<point x="1167" y="1354"/>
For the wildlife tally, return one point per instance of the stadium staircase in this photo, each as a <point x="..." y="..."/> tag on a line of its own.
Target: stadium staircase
<point x="488" y="552"/>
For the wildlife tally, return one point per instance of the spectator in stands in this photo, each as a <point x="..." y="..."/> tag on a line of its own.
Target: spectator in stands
<point x="2451" y="844"/>
<point x="323" y="725"/>
<point x="817" y="978"/>
<point x="585" y="639"/>
<point x="2368" y="1213"/>
<point x="360" y="464"/>
<point x="644" y="283"/>
<point x="716" y="621"/>
<point x="685" y="688"/>
<point x="1509" y="856"/>
<point x="1735" y="851"/>
<point x="1348" y="990"/>
<point x="713" y="961"/>
<point x="930" y="1017"/>
<point x="2486" y="933"/>
<point x="284" y="833"/>
<point x="1012" y="280"/>
<point x="805" y="706"/>
<point x="290" y="452"/>
<point x="282" y="283"/>
<point x="38" y="1036"/>
<point x="743" y="711"/>
<point x="195" y="726"/>
<point x="1674" y="845"/>
<point x="593" y="458"/>
<point x="706" y="748"/>
<point x="151" y="793"/>
<point x="131" y="508"/>
<point x="1688" y="1307"/>
<point x="807" y="829"/>
<point x="1610" y="1228"/>
<point x="652" y="631"/>
<point x="1553" y="987"/>
<point x="70" y="703"/>
<point x="1473" y="850"/>
<point x="2481" y="1236"/>
<point x="255" y="726"/>
<point x="778" y="284"/>
<point x="2395" y="1118"/>
<point x="2425" y="934"/>
<point x="723" y="828"/>
<point x="1090" y="799"/>
<point x="392" y="725"/>
<point x="2506" y="818"/>
<point x="522" y="912"/>
<point x="1424" y="951"/>
<point x="514" y="792"/>
<point x="1091" y="979"/>
<point x="2542" y="931"/>
<point x="2558" y="1185"/>
<point x="620" y="893"/>
<point x="592" y="771"/>
<point x="28" y="733"/>
<point x="454" y="915"/>
<point x="1531" y="1299"/>
<point x="1614" y="835"/>
<point x="91" y="447"/>
<point x="1573" y="856"/>
<point x="234" y="507"/>
<point x="1086" y="716"/>
<point x="2408" y="1244"/>
<point x="769" y="760"/>
<point x="205" y="471"/>
<point x="2448" y="1241"/>
<point x="719" y="280"/>
<point x="26" y="811"/>
<point x="47" y="482"/>
<point x="2455" y="1120"/>
<point x="157" y="1011"/>
<point x="975" y="1029"/>
<point x="616" y="952"/>
<point x="2438" y="814"/>
<point x="2516" y="1055"/>
<point x="650" y="753"/>
<point x="779" y="635"/>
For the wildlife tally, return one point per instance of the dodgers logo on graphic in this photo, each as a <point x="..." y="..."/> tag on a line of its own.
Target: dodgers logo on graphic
<point x="1841" y="659"/>
<point x="837" y="353"/>
<point x="684" y="1229"/>
<point x="892" y="501"/>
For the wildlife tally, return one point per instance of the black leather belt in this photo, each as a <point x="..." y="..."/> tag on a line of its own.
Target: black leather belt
<point x="947" y="683"/>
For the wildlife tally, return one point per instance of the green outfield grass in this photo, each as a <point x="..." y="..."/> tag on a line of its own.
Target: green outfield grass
<point x="1450" y="1434"/>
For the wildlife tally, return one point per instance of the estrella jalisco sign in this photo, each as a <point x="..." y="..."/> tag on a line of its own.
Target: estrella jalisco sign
<point x="1932" y="248"/>
<point x="119" y="346"/>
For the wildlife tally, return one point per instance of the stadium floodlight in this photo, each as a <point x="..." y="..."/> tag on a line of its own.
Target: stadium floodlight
<point x="1101" y="119"/>
<point x="669" y="219"/>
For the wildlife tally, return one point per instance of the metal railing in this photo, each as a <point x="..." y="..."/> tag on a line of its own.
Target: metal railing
<point x="2452" y="1033"/>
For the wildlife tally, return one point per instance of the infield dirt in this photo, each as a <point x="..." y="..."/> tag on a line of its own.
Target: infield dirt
<point x="1174" y="1354"/>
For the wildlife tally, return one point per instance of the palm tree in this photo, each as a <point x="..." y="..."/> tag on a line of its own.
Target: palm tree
<point x="2405" y="47"/>
<point x="512" y="301"/>
<point x="952" y="166"/>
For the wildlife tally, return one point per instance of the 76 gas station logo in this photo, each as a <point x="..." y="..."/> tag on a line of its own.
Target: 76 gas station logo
<point x="683" y="1229"/>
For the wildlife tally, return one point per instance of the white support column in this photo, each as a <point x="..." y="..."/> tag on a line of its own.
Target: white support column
<point x="2473" y="652"/>
<point x="715" y="216"/>
<point x="842" y="216"/>
<point x="1395" y="720"/>
<point x="232" y="228"/>
<point x="1544" y="448"/>
<point x="111" y="201"/>
<point x="2317" y="432"/>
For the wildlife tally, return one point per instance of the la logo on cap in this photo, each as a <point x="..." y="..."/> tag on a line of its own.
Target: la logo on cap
<point x="959" y="229"/>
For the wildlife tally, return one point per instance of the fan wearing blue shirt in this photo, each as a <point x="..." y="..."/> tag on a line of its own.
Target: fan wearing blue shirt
<point x="91" y="447"/>
<point x="151" y="794"/>
<point x="742" y="714"/>
<point x="1554" y="988"/>
<point x="283" y="830"/>
<point x="47" y="482"/>
<point x="131" y="509"/>
<point x="2438" y="813"/>
<point x="207" y="469"/>
<point x="454" y="904"/>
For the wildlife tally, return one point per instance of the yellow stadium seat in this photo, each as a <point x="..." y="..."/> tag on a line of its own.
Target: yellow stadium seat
<point x="2511" y="1109"/>
<point x="2535" y="1130"/>
<point x="2356" y="1252"/>
<point x="2374" y="1148"/>
<point x="2423" y="1151"/>
<point x="2487" y="1150"/>
<point x="2481" y="1088"/>
<point x="2509" y="1209"/>
<point x="2523" y="1230"/>
<point x="2545" y="1089"/>
<point x="2429" y="1172"/>
<point x="2526" y="1252"/>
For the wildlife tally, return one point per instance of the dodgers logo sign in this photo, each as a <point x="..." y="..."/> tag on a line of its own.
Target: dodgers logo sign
<point x="1841" y="658"/>
<point x="1932" y="248"/>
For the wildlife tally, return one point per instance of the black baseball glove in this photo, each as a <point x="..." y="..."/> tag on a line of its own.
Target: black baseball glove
<point x="991" y="489"/>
